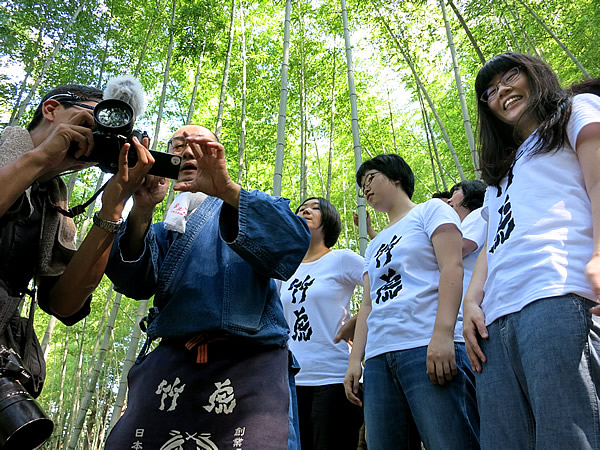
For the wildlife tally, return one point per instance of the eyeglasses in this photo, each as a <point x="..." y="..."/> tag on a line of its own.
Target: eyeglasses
<point x="178" y="144"/>
<point x="508" y="79"/>
<point x="72" y="99"/>
<point x="368" y="180"/>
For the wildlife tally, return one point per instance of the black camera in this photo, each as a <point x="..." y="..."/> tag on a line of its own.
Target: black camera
<point x="114" y="127"/>
<point x="23" y="424"/>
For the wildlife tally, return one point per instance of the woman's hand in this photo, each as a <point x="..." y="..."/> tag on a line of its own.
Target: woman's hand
<point x="351" y="382"/>
<point x="473" y="329"/>
<point x="592" y="272"/>
<point x="441" y="361"/>
<point x="346" y="332"/>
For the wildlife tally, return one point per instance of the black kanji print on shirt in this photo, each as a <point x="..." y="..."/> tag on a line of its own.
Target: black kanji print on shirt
<point x="393" y="285"/>
<point x="302" y="328"/>
<point x="302" y="286"/>
<point x="387" y="249"/>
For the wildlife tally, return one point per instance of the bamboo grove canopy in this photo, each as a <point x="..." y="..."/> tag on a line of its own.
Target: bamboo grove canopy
<point x="299" y="92"/>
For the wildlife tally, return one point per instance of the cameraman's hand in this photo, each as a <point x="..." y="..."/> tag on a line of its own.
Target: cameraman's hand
<point x="130" y="181"/>
<point x="53" y="153"/>
<point x="212" y="177"/>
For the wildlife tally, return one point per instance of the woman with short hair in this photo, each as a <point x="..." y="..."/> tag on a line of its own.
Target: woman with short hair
<point x="406" y="330"/>
<point x="316" y="302"/>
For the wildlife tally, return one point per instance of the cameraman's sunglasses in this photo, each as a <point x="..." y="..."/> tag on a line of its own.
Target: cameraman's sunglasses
<point x="71" y="99"/>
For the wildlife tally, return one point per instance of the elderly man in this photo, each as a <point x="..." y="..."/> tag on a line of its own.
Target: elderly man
<point x="221" y="375"/>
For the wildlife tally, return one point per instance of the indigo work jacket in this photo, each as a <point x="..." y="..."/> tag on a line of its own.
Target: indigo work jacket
<point x="217" y="276"/>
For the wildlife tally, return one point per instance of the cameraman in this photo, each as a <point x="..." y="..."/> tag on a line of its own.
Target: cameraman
<point x="36" y="240"/>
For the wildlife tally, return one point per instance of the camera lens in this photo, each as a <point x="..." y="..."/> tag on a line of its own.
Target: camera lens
<point x="113" y="117"/>
<point x="23" y="424"/>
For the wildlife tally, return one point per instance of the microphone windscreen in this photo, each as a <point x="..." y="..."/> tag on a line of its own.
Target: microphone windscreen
<point x="128" y="89"/>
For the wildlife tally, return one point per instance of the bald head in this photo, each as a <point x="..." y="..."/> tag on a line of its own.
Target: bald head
<point x="178" y="146"/>
<point x="193" y="130"/>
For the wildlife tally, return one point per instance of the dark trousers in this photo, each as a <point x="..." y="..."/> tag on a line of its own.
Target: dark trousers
<point x="328" y="421"/>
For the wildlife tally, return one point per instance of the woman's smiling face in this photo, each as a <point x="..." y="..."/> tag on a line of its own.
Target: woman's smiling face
<point x="510" y="102"/>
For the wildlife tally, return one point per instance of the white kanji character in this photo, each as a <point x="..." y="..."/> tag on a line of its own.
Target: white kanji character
<point x="169" y="390"/>
<point x="223" y="399"/>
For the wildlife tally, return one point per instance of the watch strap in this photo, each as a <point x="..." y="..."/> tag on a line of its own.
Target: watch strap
<point x="108" y="225"/>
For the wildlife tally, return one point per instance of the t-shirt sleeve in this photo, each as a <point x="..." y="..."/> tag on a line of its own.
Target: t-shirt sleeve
<point x="485" y="214"/>
<point x="437" y="213"/>
<point x="585" y="110"/>
<point x="353" y="267"/>
<point x="474" y="228"/>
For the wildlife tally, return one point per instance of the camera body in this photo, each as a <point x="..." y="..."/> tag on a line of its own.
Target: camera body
<point x="23" y="424"/>
<point x="114" y="127"/>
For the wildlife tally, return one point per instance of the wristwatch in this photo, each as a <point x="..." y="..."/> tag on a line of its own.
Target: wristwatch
<point x="108" y="225"/>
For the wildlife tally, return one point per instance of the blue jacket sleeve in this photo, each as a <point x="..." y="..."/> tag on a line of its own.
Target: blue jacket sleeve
<point x="135" y="279"/>
<point x="265" y="233"/>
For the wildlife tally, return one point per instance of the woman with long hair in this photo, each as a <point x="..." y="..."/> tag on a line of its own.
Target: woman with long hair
<point x="530" y="333"/>
<point x="316" y="303"/>
<point x="416" y="365"/>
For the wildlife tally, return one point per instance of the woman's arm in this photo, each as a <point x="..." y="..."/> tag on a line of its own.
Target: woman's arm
<point x="473" y="317"/>
<point x="447" y="245"/>
<point x="354" y="371"/>
<point x="588" y="152"/>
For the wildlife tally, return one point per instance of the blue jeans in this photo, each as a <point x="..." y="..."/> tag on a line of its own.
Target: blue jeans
<point x="539" y="387"/>
<point x="397" y="386"/>
<point x="294" y="425"/>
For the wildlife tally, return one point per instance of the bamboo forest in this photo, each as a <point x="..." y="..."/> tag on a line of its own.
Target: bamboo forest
<point x="298" y="92"/>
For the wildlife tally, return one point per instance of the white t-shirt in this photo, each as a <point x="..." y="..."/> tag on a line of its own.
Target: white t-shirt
<point x="540" y="224"/>
<point x="474" y="228"/>
<point x="316" y="303"/>
<point x="404" y="276"/>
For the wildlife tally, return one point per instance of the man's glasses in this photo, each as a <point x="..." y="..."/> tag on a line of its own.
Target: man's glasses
<point x="72" y="99"/>
<point x="178" y="144"/>
<point x="368" y="180"/>
<point x="507" y="80"/>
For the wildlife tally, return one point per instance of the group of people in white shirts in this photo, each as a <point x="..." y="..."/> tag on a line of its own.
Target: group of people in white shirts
<point x="478" y="326"/>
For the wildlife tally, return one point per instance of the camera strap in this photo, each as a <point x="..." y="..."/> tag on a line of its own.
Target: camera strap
<point x="76" y="210"/>
<point x="9" y="307"/>
<point x="29" y="333"/>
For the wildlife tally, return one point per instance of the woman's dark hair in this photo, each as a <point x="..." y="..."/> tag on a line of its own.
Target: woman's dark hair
<point x="444" y="195"/>
<point x="586" y="87"/>
<point x="84" y="92"/>
<point x="392" y="166"/>
<point x="330" y="220"/>
<point x="473" y="193"/>
<point x="548" y="106"/>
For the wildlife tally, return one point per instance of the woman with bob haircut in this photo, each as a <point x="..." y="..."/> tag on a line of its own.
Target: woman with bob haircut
<point x="316" y="303"/>
<point x="530" y="333"/>
<point x="407" y="332"/>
